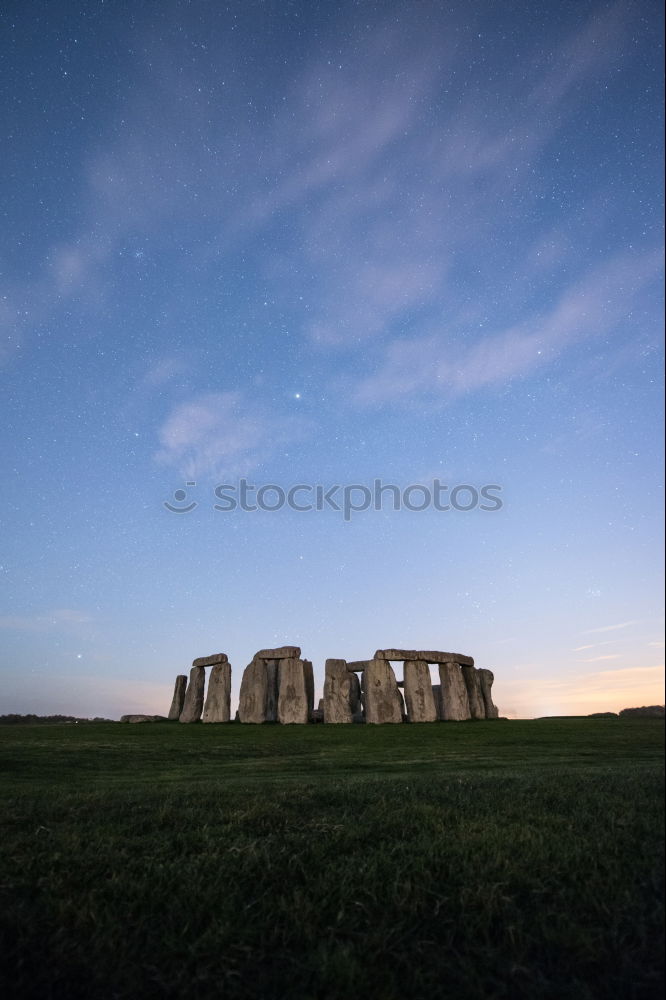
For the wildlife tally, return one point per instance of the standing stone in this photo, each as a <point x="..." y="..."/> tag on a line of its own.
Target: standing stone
<point x="271" y="667"/>
<point x="455" y="703"/>
<point x="253" y="693"/>
<point x="437" y="695"/>
<point x="218" y="696"/>
<point x="486" y="678"/>
<point x="338" y="692"/>
<point x="178" y="698"/>
<point x="418" y="692"/>
<point x="380" y="690"/>
<point x="194" y="696"/>
<point x="309" y="685"/>
<point x="477" y="709"/>
<point x="293" y="696"/>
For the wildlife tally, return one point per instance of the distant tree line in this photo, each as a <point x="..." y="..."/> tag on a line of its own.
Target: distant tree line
<point x="45" y="720"/>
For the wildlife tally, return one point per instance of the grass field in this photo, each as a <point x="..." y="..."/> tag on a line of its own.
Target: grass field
<point x="498" y="859"/>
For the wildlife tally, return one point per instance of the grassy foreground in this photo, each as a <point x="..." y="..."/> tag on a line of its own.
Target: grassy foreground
<point x="498" y="859"/>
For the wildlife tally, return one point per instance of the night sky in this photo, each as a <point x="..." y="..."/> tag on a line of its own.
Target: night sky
<point x="328" y="244"/>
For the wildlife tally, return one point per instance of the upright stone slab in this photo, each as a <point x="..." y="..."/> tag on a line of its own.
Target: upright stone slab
<point x="418" y="692"/>
<point x="455" y="703"/>
<point x="271" y="667"/>
<point x="178" y="698"/>
<point x="437" y="695"/>
<point x="486" y="678"/>
<point x="380" y="691"/>
<point x="218" y="696"/>
<point x="309" y="685"/>
<point x="477" y="709"/>
<point x="338" y="692"/>
<point x="293" y="694"/>
<point x="194" y="696"/>
<point x="253" y="693"/>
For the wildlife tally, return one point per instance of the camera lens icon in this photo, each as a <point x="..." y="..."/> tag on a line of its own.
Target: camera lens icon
<point x="180" y="496"/>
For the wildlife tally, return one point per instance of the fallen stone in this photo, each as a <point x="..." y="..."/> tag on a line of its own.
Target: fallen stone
<point x="486" y="678"/>
<point x="282" y="653"/>
<point x="293" y="694"/>
<point x="380" y="690"/>
<point x="143" y="718"/>
<point x="210" y="661"/>
<point x="338" y="692"/>
<point x="477" y="707"/>
<point x="194" y="696"/>
<point x="254" y="693"/>
<point x="418" y="692"/>
<point x="218" y="696"/>
<point x="178" y="698"/>
<point x="428" y="656"/>
<point x="455" y="703"/>
<point x="357" y="664"/>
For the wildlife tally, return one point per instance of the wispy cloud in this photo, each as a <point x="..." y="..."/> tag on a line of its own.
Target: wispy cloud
<point x="596" y="659"/>
<point x="443" y="363"/>
<point x="222" y="435"/>
<point x="609" y="628"/>
<point x="61" y="618"/>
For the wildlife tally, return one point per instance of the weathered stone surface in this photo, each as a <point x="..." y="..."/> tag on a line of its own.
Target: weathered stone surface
<point x="418" y="692"/>
<point x="486" y="678"/>
<point x="437" y="695"/>
<point x="380" y="690"/>
<point x="477" y="708"/>
<point x="194" y="696"/>
<point x="143" y="718"/>
<point x="403" y="709"/>
<point x="338" y="683"/>
<point x="455" y="703"/>
<point x="210" y="661"/>
<point x="282" y="653"/>
<point x="272" y="667"/>
<point x="178" y="698"/>
<point x="254" y="693"/>
<point x="218" y="696"/>
<point x="309" y="685"/>
<point x="293" y="694"/>
<point x="357" y="664"/>
<point x="427" y="656"/>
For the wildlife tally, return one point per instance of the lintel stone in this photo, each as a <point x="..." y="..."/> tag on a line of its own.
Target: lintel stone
<point x="425" y="656"/>
<point x="210" y="661"/>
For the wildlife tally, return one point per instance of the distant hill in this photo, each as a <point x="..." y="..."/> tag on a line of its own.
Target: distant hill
<point x="45" y="720"/>
<point x="651" y="710"/>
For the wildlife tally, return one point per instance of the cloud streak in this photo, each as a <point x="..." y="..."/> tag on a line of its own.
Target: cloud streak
<point x="222" y="435"/>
